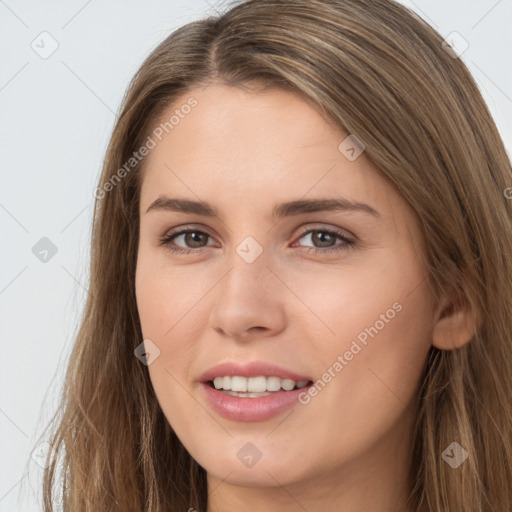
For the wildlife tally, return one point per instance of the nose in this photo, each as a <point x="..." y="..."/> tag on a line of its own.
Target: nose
<point x="248" y="301"/>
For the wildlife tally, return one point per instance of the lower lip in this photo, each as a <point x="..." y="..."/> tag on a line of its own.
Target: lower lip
<point x="250" y="409"/>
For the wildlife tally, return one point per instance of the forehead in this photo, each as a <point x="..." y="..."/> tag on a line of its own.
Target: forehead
<point x="250" y="147"/>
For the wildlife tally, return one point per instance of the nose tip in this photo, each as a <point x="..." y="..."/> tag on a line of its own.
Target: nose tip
<point x="247" y="302"/>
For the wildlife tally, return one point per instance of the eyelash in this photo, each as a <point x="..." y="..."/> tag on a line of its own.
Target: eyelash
<point x="167" y="239"/>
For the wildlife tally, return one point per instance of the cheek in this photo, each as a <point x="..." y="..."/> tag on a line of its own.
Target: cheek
<point x="370" y="369"/>
<point x="384" y="297"/>
<point x="168" y="304"/>
<point x="168" y="297"/>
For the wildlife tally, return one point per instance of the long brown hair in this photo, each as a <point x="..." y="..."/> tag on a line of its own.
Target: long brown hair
<point x="378" y="71"/>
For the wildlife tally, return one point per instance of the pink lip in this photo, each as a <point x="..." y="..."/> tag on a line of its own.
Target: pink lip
<point x="250" y="369"/>
<point x="250" y="409"/>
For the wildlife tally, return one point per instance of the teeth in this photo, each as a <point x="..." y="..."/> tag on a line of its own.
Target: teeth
<point x="245" y="395"/>
<point x="260" y="385"/>
<point x="238" y="383"/>
<point x="287" y="384"/>
<point x="273" y="383"/>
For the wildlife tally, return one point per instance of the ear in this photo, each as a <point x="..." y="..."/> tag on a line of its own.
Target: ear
<point x="455" y="325"/>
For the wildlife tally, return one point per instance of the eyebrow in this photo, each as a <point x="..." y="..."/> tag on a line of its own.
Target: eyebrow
<point x="279" y="211"/>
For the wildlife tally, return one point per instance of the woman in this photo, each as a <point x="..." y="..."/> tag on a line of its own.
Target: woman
<point x="299" y="289"/>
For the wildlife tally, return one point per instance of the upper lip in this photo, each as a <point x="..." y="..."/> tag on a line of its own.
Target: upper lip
<point x="250" y="369"/>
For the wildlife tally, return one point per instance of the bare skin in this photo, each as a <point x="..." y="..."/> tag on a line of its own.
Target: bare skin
<point x="348" y="448"/>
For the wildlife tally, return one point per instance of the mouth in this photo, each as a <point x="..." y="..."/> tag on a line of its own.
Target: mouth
<point x="252" y="406"/>
<point x="255" y="387"/>
<point x="252" y="391"/>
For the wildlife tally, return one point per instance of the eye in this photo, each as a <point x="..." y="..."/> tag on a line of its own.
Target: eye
<point x="195" y="240"/>
<point x="326" y="238"/>
<point x="194" y="237"/>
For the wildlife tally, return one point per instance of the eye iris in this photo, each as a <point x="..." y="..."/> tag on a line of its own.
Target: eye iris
<point x="319" y="236"/>
<point x="191" y="238"/>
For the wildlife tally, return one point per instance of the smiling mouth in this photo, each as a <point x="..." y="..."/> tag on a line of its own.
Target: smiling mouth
<point x="255" y="387"/>
<point x="255" y="398"/>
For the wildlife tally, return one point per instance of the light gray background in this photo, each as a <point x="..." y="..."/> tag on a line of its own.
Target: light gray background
<point x="56" y="117"/>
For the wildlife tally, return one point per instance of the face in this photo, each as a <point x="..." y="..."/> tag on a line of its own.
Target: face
<point x="336" y="297"/>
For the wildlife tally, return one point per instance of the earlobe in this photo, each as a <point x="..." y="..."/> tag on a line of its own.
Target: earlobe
<point x="454" y="327"/>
